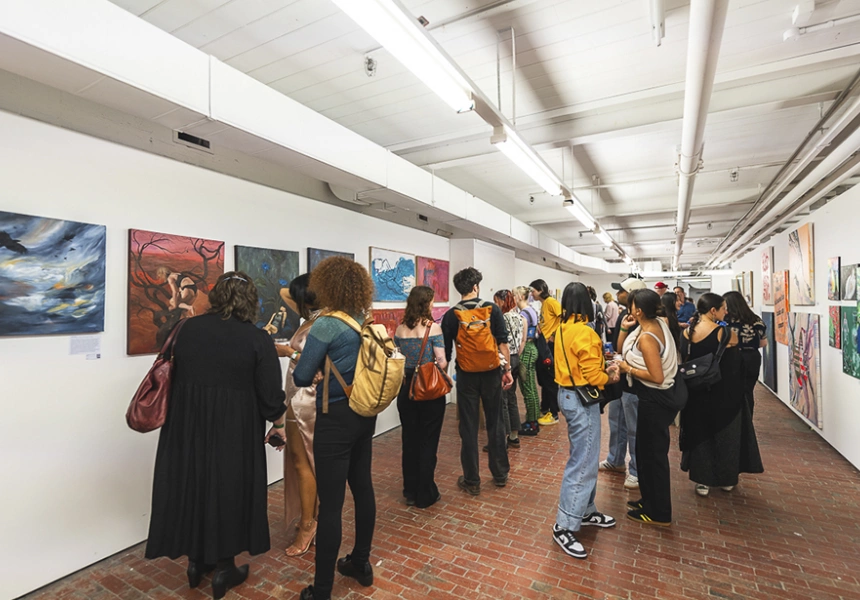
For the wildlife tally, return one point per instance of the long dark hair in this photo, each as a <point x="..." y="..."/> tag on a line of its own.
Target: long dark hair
<point x="418" y="306"/>
<point x="303" y="296"/>
<point x="707" y="302"/>
<point x="575" y="302"/>
<point x="542" y="288"/>
<point x="668" y="300"/>
<point x="739" y="310"/>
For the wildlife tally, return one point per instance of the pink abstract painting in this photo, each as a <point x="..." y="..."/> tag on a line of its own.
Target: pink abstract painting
<point x="433" y="273"/>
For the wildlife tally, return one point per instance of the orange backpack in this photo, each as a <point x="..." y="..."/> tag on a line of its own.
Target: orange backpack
<point x="477" y="350"/>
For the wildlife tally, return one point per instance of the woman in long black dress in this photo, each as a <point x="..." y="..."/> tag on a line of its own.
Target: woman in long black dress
<point x="751" y="332"/>
<point x="717" y="438"/>
<point x="209" y="492"/>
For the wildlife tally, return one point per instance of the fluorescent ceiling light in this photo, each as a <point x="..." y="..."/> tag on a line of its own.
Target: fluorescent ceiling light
<point x="521" y="154"/>
<point x="399" y="33"/>
<point x="580" y="214"/>
<point x="604" y="237"/>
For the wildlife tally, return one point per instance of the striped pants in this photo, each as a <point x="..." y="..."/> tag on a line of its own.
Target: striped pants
<point x="528" y="381"/>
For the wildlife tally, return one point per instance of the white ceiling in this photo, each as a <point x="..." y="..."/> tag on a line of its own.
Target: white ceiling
<point x="594" y="94"/>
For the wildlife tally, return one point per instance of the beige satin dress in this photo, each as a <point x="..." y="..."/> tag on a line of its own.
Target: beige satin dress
<point x="304" y="404"/>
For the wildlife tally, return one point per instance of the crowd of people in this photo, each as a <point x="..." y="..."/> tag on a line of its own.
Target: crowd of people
<point x="574" y="357"/>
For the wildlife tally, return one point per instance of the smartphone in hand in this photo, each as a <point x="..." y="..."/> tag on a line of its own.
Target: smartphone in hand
<point x="276" y="441"/>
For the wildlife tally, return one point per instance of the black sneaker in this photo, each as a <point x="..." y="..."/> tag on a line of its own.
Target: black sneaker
<point x="568" y="542"/>
<point x="640" y="517"/>
<point x="500" y="481"/>
<point x="467" y="487"/>
<point x="635" y="504"/>
<point x="597" y="519"/>
<point x="363" y="574"/>
<point x="527" y="431"/>
<point x="513" y="443"/>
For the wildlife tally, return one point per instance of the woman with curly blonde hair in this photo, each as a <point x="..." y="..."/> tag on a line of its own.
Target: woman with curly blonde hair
<point x="343" y="440"/>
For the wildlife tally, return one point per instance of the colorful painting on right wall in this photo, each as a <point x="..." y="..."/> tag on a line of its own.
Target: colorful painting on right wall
<point x="433" y="273"/>
<point x="767" y="276"/>
<point x="834" y="276"/>
<point x="834" y="327"/>
<point x="780" y="306"/>
<point x="848" y="282"/>
<point x="850" y="356"/>
<point x="801" y="266"/>
<point x="804" y="381"/>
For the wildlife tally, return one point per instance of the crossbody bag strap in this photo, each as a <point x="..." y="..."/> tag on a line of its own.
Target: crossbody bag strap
<point x="170" y="342"/>
<point x="420" y="358"/>
<point x="724" y="343"/>
<point x="330" y="369"/>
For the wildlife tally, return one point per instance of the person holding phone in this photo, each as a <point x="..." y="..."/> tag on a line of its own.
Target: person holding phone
<point x="579" y="363"/>
<point x="650" y="360"/>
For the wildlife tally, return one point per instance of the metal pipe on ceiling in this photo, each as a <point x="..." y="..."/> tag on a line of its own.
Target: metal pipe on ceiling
<point x="794" y="165"/>
<point x="707" y="21"/>
<point x="774" y="216"/>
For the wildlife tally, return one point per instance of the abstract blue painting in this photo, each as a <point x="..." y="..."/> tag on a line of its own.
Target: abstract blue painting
<point x="393" y="274"/>
<point x="52" y="276"/>
<point x="316" y="256"/>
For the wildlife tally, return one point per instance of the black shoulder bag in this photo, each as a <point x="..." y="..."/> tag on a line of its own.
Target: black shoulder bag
<point x="703" y="372"/>
<point x="588" y="394"/>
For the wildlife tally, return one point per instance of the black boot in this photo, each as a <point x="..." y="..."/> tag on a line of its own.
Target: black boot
<point x="196" y="570"/>
<point x="226" y="578"/>
<point x="363" y="574"/>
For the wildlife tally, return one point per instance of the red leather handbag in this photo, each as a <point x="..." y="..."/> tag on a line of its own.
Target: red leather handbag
<point x="429" y="381"/>
<point x="148" y="408"/>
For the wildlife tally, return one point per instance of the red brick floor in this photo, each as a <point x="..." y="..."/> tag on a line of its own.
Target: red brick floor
<point x="793" y="532"/>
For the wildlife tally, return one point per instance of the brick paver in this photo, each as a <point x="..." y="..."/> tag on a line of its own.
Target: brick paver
<point x="791" y="533"/>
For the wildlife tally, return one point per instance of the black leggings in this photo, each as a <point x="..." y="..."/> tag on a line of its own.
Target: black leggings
<point x="343" y="449"/>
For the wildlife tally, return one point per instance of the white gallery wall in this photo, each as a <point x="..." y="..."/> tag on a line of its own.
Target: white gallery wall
<point x="835" y="229"/>
<point x="525" y="272"/>
<point x="76" y="481"/>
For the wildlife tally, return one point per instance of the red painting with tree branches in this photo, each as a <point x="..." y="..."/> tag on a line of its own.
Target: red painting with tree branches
<point x="169" y="279"/>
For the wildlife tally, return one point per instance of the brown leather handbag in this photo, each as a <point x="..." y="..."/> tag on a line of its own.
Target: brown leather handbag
<point x="429" y="382"/>
<point x="148" y="408"/>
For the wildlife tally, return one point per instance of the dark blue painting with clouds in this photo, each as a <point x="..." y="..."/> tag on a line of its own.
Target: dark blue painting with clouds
<point x="52" y="276"/>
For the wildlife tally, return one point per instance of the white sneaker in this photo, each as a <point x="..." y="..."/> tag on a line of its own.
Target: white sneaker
<point x="702" y="490"/>
<point x="632" y="482"/>
<point x="608" y="466"/>
<point x="727" y="488"/>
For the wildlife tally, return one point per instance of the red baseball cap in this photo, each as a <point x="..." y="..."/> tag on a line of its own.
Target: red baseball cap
<point x="660" y="286"/>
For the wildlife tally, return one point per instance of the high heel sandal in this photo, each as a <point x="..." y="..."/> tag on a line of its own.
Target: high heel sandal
<point x="311" y="540"/>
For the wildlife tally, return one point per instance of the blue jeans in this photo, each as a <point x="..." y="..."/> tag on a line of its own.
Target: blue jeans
<point x="579" y="484"/>
<point x="623" y="415"/>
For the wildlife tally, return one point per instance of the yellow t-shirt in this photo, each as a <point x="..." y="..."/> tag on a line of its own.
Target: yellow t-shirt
<point x="550" y="316"/>
<point x="584" y="352"/>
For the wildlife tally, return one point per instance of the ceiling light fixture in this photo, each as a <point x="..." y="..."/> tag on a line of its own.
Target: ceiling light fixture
<point x="521" y="154"/>
<point x="604" y="237"/>
<point x="399" y="33"/>
<point x="575" y="207"/>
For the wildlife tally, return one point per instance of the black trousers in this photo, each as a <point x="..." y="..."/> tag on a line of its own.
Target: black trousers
<point x="549" y="398"/>
<point x="474" y="390"/>
<point x="751" y="366"/>
<point x="420" y="428"/>
<point x="652" y="454"/>
<point x="343" y="450"/>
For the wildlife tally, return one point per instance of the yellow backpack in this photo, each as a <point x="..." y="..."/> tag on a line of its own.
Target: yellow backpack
<point x="379" y="369"/>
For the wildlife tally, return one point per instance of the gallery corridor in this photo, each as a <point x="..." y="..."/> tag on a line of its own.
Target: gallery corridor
<point x="793" y="533"/>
